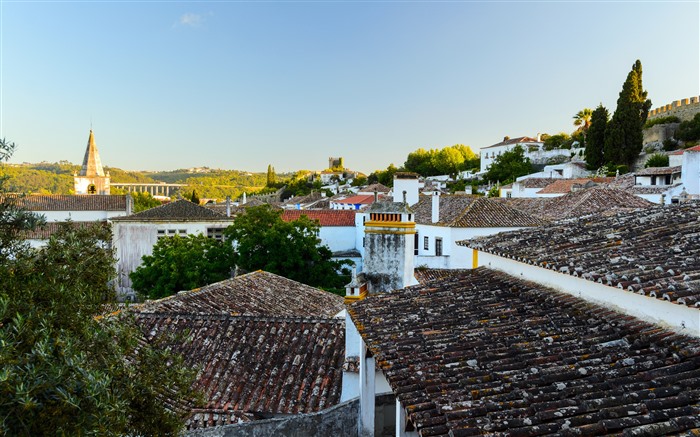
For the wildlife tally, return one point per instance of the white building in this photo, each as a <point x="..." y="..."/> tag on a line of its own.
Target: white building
<point x="135" y="235"/>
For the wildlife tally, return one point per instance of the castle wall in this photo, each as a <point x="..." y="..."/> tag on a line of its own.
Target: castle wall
<point x="685" y="109"/>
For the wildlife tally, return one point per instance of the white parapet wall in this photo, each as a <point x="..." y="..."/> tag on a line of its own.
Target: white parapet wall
<point x="680" y="318"/>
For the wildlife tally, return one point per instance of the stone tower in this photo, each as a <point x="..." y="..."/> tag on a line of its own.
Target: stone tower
<point x="389" y="246"/>
<point x="92" y="178"/>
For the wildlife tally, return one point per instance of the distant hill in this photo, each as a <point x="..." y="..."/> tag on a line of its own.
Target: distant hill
<point x="57" y="178"/>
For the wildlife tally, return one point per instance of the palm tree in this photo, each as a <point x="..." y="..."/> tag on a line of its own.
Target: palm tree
<point x="583" y="118"/>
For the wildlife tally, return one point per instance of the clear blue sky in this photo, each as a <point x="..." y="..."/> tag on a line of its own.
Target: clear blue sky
<point x="240" y="85"/>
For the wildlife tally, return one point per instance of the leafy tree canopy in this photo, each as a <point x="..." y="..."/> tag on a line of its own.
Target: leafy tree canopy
<point x="182" y="263"/>
<point x="264" y="241"/>
<point x="384" y="177"/>
<point x="64" y="371"/>
<point x="689" y="130"/>
<point x="508" y="166"/>
<point x="448" y="160"/>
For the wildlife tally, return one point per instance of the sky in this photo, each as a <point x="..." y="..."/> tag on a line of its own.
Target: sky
<point x="242" y="85"/>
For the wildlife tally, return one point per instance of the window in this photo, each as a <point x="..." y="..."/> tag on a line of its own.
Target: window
<point x="171" y="232"/>
<point x="92" y="189"/>
<point x="438" y="246"/>
<point x="216" y="233"/>
<point x="426" y="243"/>
<point x="415" y="243"/>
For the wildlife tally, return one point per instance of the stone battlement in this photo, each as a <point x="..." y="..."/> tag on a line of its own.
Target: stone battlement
<point x="685" y="109"/>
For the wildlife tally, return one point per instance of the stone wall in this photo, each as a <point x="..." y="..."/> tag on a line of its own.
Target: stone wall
<point x="685" y="109"/>
<point x="659" y="132"/>
<point x="340" y="420"/>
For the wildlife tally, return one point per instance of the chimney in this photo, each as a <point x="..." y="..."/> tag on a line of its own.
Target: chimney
<point x="539" y="137"/>
<point x="228" y="206"/>
<point x="436" y="207"/>
<point x="376" y="196"/>
<point x="244" y="199"/>
<point x="129" y="204"/>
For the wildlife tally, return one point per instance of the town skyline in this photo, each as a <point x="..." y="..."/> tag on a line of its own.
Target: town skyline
<point x="236" y="85"/>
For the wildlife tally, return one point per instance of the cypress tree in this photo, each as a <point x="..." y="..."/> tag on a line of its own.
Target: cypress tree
<point x="623" y="136"/>
<point x="596" y="138"/>
<point x="271" y="177"/>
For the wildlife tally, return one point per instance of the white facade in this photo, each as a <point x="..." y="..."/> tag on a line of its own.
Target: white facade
<point x="678" y="317"/>
<point x="453" y="256"/>
<point x="132" y="240"/>
<point x="691" y="172"/>
<point x="81" y="216"/>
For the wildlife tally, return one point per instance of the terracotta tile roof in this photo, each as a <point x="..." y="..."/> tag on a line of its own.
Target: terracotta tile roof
<point x="363" y="199"/>
<point x="60" y="202"/>
<point x="681" y="151"/>
<point x="487" y="354"/>
<point x="379" y="188"/>
<point x="257" y="293"/>
<point x="653" y="251"/>
<point x="627" y="182"/>
<point x="560" y="186"/>
<point x="427" y="275"/>
<point x="536" y="182"/>
<point x="254" y="366"/>
<point x="48" y="229"/>
<point x="326" y="217"/>
<point x="465" y="211"/>
<point x="178" y="210"/>
<point x="514" y="141"/>
<point x="596" y="200"/>
<point x="653" y="171"/>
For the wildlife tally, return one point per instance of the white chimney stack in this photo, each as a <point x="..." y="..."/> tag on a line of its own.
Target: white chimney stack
<point x="228" y="206"/>
<point x="436" y="206"/>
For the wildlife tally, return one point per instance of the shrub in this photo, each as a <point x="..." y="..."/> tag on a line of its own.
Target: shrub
<point x="689" y="130"/>
<point x="670" y="144"/>
<point x="657" y="160"/>
<point x="661" y="120"/>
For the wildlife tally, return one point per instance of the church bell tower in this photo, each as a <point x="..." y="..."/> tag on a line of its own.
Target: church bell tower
<point x="92" y="178"/>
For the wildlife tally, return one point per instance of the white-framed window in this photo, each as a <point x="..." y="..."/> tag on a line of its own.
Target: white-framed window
<point x="438" y="246"/>
<point x="426" y="243"/>
<point x="161" y="233"/>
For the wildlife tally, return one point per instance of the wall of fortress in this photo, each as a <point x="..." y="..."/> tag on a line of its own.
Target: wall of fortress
<point x="685" y="109"/>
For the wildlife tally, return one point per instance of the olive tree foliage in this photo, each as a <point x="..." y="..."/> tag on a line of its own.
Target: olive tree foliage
<point x="448" y="160"/>
<point x="508" y="166"/>
<point x="182" y="263"/>
<point x="263" y="241"/>
<point x="63" y="370"/>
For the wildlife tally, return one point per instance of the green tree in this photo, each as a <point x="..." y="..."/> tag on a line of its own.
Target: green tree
<point x="384" y="177"/>
<point x="271" y="176"/>
<point x="596" y="138"/>
<point x="420" y="161"/>
<point x="508" y="166"/>
<point x="623" y="136"/>
<point x="183" y="263"/>
<point x="194" y="198"/>
<point x="582" y="119"/>
<point x="64" y="371"/>
<point x="290" y="249"/>
<point x="689" y="130"/>
<point x="657" y="160"/>
<point x="560" y="140"/>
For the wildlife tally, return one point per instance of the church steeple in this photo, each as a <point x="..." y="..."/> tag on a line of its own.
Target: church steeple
<point x="92" y="165"/>
<point x="92" y="178"/>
